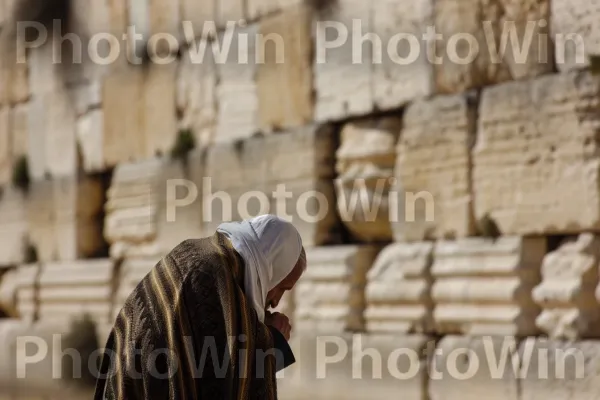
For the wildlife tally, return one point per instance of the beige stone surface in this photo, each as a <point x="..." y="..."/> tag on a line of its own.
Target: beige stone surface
<point x="559" y="369"/>
<point x="566" y="294"/>
<point x="466" y="63"/>
<point x="474" y="368"/>
<point x="398" y="291"/>
<point x="237" y="91"/>
<point x="403" y="72"/>
<point x="365" y="165"/>
<point x="194" y="14"/>
<point x="330" y="298"/>
<point x="284" y="75"/>
<point x="147" y="211"/>
<point x="154" y="19"/>
<point x="14" y="73"/>
<point x="64" y="218"/>
<point x="356" y="367"/>
<point x="6" y="159"/>
<point x="343" y="80"/>
<point x="483" y="287"/>
<point x="432" y="195"/>
<point x="13" y="226"/>
<point x="17" y="290"/>
<point x="230" y="11"/>
<point x="196" y="94"/>
<point x="159" y="109"/>
<point x="69" y="290"/>
<point x="261" y="8"/>
<point x="123" y="116"/>
<point x="535" y="165"/>
<point x="288" y="174"/>
<point x="575" y="33"/>
<point x="90" y="139"/>
<point x="19" y="129"/>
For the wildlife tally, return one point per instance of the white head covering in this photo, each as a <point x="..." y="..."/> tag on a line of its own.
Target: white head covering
<point x="270" y="247"/>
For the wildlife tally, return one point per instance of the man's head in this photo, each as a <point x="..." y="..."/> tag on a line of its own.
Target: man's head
<point x="288" y="283"/>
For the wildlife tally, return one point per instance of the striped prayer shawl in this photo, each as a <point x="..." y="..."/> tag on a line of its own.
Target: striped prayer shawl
<point x="187" y="332"/>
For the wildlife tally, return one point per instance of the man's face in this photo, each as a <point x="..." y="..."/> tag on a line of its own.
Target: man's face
<point x="275" y="295"/>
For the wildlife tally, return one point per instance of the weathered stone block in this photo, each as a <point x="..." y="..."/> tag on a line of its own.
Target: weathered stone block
<point x="433" y="194"/>
<point x="123" y="128"/>
<point x="70" y="290"/>
<point x="260" y="8"/>
<point x="230" y="11"/>
<point x="153" y="19"/>
<point x="330" y="298"/>
<point x="285" y="174"/>
<point x="17" y="291"/>
<point x="483" y="287"/>
<point x="343" y="76"/>
<point x="484" y="363"/>
<point x="575" y="34"/>
<point x="194" y="14"/>
<point x="357" y="367"/>
<point x="536" y="166"/>
<point x="19" y="128"/>
<point x="13" y="227"/>
<point x="141" y="218"/>
<point x="559" y="369"/>
<point x="6" y="159"/>
<point x="398" y="77"/>
<point x="567" y="291"/>
<point x="365" y="166"/>
<point x="284" y="75"/>
<point x="237" y="91"/>
<point x="64" y="218"/>
<point x="398" y="292"/>
<point x="490" y="58"/>
<point x="90" y="138"/>
<point x="14" y="74"/>
<point x="196" y="95"/>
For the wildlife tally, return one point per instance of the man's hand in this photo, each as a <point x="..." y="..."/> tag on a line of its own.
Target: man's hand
<point x="280" y="322"/>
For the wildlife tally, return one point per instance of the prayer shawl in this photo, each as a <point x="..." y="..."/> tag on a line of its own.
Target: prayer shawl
<point x="188" y="332"/>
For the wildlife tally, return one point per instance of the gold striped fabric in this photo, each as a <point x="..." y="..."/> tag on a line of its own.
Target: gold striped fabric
<point x="188" y="332"/>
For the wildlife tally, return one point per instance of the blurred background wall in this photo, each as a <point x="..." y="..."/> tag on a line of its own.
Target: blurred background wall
<point x="482" y="165"/>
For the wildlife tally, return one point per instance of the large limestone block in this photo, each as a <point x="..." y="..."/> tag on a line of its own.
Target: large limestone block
<point x="159" y="109"/>
<point x="237" y="90"/>
<point x="475" y="47"/>
<point x="139" y="113"/>
<point x="433" y="195"/>
<point x="68" y="291"/>
<point x="575" y="33"/>
<point x="64" y="218"/>
<point x="90" y="136"/>
<point x="356" y="367"/>
<point x="559" y="369"/>
<point x="196" y="94"/>
<point x="284" y="75"/>
<point x="403" y="72"/>
<point x="18" y="291"/>
<point x="330" y="298"/>
<point x="365" y="166"/>
<point x="19" y="128"/>
<point x="230" y="11"/>
<point x="6" y="159"/>
<point x="14" y="73"/>
<point x="483" y="287"/>
<point x="194" y="15"/>
<point x="153" y="205"/>
<point x="343" y="76"/>
<point x="535" y="164"/>
<point x="155" y="19"/>
<point x="260" y="8"/>
<point x="398" y="292"/>
<point x="474" y="368"/>
<point x="288" y="174"/>
<point x="567" y="291"/>
<point x="13" y="227"/>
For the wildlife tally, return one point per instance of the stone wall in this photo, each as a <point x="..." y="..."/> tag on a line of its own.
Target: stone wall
<point x="449" y="201"/>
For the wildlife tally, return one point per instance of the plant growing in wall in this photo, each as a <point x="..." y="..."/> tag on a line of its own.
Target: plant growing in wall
<point x="30" y="255"/>
<point x="20" y="174"/>
<point x="184" y="144"/>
